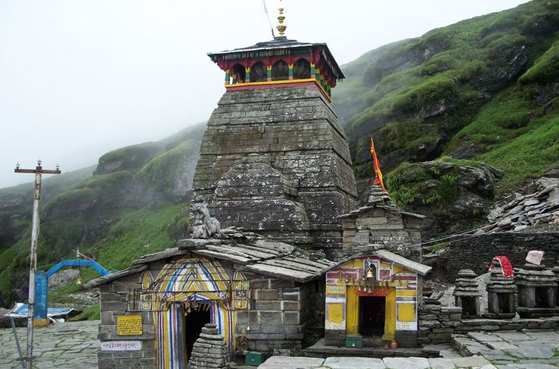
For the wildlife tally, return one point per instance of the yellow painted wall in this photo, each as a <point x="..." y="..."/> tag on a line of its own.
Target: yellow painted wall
<point x="352" y="311"/>
<point x="390" y="317"/>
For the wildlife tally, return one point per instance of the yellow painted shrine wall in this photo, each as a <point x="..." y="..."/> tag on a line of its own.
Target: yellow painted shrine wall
<point x="396" y="284"/>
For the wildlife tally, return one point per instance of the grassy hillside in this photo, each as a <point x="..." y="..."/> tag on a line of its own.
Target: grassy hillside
<point x="133" y="204"/>
<point x="483" y="89"/>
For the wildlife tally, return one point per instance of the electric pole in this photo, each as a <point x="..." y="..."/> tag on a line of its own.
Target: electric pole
<point x="38" y="171"/>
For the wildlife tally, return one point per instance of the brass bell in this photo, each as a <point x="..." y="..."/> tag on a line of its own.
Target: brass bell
<point x="370" y="271"/>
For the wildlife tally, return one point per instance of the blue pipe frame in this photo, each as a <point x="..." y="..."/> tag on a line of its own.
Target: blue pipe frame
<point x="42" y="282"/>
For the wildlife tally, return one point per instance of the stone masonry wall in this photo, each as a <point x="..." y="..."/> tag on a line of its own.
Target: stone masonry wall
<point x="113" y="304"/>
<point x="438" y="323"/>
<point x="295" y="132"/>
<point x="277" y="317"/>
<point x="476" y="252"/>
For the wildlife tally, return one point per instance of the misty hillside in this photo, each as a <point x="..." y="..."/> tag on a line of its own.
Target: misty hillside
<point x="131" y="204"/>
<point x="442" y="106"/>
<point x="485" y="90"/>
<point x="474" y="90"/>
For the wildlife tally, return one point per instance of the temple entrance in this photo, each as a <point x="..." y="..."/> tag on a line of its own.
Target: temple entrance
<point x="194" y="321"/>
<point x="372" y="315"/>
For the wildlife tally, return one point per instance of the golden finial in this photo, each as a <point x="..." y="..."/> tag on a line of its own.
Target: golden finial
<point x="281" y="27"/>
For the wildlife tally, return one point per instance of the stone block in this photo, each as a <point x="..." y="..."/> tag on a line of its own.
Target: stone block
<point x="268" y="305"/>
<point x="292" y="317"/>
<point x="266" y="294"/>
<point x="271" y="317"/>
<point x="291" y="305"/>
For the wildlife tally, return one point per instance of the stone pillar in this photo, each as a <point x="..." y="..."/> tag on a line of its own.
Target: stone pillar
<point x="209" y="351"/>
<point x="501" y="297"/>
<point x="467" y="294"/>
<point x="537" y="288"/>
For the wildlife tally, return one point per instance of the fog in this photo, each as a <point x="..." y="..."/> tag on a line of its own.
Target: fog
<point x="79" y="78"/>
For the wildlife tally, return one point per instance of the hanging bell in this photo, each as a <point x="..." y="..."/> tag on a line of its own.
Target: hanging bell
<point x="370" y="272"/>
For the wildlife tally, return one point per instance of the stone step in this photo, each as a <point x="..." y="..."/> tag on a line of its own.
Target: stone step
<point x="321" y="350"/>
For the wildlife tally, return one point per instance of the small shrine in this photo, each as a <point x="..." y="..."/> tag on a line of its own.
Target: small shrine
<point x="382" y="222"/>
<point x="372" y="300"/>
<point x="467" y="294"/>
<point x="537" y="288"/>
<point x="501" y="290"/>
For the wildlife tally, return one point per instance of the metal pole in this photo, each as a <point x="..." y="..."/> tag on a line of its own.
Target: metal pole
<point x="38" y="171"/>
<point x="33" y="266"/>
<point x="21" y="359"/>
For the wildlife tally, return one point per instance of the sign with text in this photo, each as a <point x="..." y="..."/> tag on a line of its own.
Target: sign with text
<point x="121" y="346"/>
<point x="129" y="325"/>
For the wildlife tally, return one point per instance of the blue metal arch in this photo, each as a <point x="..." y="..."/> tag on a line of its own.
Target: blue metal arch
<point x="78" y="263"/>
<point x="42" y="283"/>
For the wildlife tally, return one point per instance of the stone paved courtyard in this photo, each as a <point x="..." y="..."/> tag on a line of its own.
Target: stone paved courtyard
<point x="75" y="345"/>
<point x="62" y="345"/>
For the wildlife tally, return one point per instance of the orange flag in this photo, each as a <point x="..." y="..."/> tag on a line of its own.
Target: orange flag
<point x="378" y="173"/>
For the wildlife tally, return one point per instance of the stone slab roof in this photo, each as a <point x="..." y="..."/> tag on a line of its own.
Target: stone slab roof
<point x="390" y="256"/>
<point x="403" y="262"/>
<point x="274" y="259"/>
<point x="364" y="209"/>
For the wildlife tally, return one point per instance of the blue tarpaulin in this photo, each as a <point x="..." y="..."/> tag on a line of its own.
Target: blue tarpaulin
<point x="22" y="311"/>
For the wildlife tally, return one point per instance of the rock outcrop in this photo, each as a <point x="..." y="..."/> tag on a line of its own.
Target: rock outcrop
<point x="526" y="211"/>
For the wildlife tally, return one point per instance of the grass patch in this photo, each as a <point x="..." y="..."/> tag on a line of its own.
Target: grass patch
<point x="92" y="312"/>
<point x="528" y="156"/>
<point x="139" y="232"/>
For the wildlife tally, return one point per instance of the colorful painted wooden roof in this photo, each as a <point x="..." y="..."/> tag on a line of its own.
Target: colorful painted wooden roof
<point x="280" y="46"/>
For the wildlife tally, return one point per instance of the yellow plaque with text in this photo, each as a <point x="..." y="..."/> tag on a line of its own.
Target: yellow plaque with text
<point x="129" y="325"/>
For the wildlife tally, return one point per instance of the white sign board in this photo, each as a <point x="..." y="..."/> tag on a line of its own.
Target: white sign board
<point x="121" y="346"/>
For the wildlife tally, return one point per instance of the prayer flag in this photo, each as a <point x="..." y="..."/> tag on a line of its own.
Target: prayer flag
<point x="376" y="164"/>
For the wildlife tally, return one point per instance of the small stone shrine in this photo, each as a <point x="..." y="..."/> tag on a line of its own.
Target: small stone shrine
<point x="467" y="294"/>
<point x="537" y="288"/>
<point x="209" y="351"/>
<point x="373" y="297"/>
<point x="501" y="290"/>
<point x="381" y="222"/>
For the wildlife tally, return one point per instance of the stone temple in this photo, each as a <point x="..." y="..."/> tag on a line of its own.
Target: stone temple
<point x="279" y="251"/>
<point x="274" y="158"/>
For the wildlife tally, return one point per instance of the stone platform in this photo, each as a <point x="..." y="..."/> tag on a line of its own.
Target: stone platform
<point x="281" y="362"/>
<point x="321" y="350"/>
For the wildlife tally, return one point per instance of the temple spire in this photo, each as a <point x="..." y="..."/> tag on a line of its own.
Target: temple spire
<point x="281" y="27"/>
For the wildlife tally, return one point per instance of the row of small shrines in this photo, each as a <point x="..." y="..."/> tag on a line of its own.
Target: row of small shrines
<point x="531" y="291"/>
<point x="157" y="308"/>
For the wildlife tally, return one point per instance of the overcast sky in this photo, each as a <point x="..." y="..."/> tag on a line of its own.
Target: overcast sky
<point x="79" y="78"/>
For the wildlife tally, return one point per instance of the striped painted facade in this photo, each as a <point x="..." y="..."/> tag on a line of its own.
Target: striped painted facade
<point x="179" y="284"/>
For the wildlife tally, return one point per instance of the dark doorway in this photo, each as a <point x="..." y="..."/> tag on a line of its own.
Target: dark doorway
<point x="194" y="321"/>
<point x="371" y="315"/>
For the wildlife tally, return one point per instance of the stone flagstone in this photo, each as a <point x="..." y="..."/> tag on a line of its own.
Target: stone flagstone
<point x="441" y="363"/>
<point x="406" y="363"/>
<point x="471" y="361"/>
<point x="353" y="363"/>
<point x="283" y="362"/>
<point x="535" y="351"/>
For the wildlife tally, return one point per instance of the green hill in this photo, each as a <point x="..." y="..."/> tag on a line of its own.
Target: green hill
<point x="131" y="204"/>
<point x="483" y="89"/>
